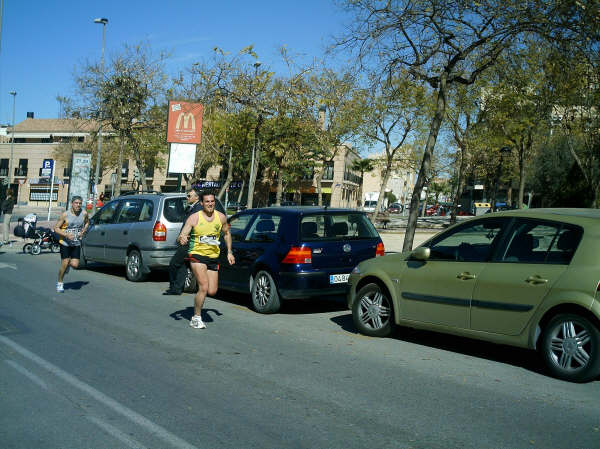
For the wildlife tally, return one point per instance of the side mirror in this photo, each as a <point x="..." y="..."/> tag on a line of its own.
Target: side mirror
<point x="421" y="253"/>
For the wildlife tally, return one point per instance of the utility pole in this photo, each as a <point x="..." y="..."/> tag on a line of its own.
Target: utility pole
<point x="103" y="21"/>
<point x="12" y="141"/>
<point x="252" y="164"/>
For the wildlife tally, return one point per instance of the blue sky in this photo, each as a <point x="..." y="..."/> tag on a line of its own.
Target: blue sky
<point x="43" y="41"/>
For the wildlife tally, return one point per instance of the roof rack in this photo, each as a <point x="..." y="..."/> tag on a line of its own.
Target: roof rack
<point x="139" y="192"/>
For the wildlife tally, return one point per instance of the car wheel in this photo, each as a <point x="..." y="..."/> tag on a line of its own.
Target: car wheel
<point x="372" y="312"/>
<point x="27" y="248"/>
<point x="55" y="247"/>
<point x="134" y="266"/>
<point x="265" y="297"/>
<point x="570" y="348"/>
<point x="36" y="249"/>
<point x="190" y="285"/>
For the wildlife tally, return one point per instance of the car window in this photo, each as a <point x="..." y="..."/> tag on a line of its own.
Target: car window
<point x="174" y="209"/>
<point x="264" y="228"/>
<point x="106" y="214"/>
<point x="472" y="242"/>
<point x="237" y="226"/>
<point x="147" y="211"/>
<point x="129" y="212"/>
<point x="335" y="226"/>
<point x="536" y="241"/>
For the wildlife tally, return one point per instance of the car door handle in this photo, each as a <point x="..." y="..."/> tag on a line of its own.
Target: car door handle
<point x="102" y="233"/>
<point x="125" y="232"/>
<point x="536" y="280"/>
<point x="466" y="276"/>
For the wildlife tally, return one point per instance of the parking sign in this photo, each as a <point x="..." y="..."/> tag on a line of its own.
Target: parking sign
<point x="47" y="167"/>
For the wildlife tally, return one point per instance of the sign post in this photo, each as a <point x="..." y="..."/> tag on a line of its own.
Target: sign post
<point x="48" y="170"/>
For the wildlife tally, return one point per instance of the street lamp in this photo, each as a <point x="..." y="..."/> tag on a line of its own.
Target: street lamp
<point x="102" y="21"/>
<point x="252" y="180"/>
<point x="12" y="140"/>
<point x="503" y="151"/>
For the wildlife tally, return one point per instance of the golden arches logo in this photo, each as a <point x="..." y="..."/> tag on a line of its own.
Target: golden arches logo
<point x="186" y="118"/>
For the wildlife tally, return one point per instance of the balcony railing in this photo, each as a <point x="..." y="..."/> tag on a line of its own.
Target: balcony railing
<point x="20" y="171"/>
<point x="3" y="171"/>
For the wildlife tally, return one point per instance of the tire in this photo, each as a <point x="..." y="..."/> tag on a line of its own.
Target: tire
<point x="373" y="312"/>
<point x="265" y="298"/>
<point x="190" y="285"/>
<point x="570" y="348"/>
<point x="134" y="266"/>
<point x="27" y="248"/>
<point x="55" y="247"/>
<point x="36" y="249"/>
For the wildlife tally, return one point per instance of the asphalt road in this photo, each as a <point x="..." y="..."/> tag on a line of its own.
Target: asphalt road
<point x="111" y="364"/>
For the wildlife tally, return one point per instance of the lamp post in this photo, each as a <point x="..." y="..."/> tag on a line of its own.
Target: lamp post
<point x="12" y="141"/>
<point x="102" y="21"/>
<point x="503" y="151"/>
<point x="252" y="176"/>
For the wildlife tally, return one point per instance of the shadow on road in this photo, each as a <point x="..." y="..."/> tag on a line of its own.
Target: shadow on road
<point x="510" y="355"/>
<point x="75" y="285"/>
<point x="188" y="312"/>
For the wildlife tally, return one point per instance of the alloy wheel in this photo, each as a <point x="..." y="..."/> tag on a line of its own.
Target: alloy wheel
<point x="374" y="310"/>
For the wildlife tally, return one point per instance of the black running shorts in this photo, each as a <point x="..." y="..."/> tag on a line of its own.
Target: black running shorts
<point x="70" y="252"/>
<point x="210" y="262"/>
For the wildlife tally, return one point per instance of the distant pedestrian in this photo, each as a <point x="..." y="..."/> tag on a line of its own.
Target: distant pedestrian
<point x="7" y="209"/>
<point x="177" y="267"/>
<point x="71" y="226"/>
<point x="205" y="228"/>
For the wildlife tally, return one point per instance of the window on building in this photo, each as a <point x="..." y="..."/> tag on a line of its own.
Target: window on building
<point x="3" y="167"/>
<point x="149" y="172"/>
<point x="125" y="169"/>
<point x="21" y="169"/>
<point x="328" y="171"/>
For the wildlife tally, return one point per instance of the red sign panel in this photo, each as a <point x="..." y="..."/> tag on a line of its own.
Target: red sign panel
<point x="184" y="123"/>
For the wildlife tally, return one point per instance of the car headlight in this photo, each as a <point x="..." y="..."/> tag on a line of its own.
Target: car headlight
<point x="355" y="270"/>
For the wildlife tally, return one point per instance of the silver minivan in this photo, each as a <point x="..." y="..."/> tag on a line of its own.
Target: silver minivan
<point x="138" y="231"/>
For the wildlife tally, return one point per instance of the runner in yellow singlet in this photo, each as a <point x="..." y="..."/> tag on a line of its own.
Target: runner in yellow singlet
<point x="205" y="227"/>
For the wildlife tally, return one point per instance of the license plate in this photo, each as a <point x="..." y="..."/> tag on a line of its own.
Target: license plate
<point x="338" y="278"/>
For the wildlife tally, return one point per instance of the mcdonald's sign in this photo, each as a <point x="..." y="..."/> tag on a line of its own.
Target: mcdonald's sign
<point x="184" y="124"/>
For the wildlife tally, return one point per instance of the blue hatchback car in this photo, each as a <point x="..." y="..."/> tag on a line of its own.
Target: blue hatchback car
<point x="295" y="252"/>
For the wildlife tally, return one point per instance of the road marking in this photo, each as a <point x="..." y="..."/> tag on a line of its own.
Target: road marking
<point x="112" y="430"/>
<point x="138" y="419"/>
<point x="8" y="265"/>
<point x="32" y="377"/>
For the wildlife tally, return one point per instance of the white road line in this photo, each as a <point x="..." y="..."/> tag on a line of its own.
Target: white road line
<point x="32" y="377"/>
<point x="112" y="430"/>
<point x="150" y="426"/>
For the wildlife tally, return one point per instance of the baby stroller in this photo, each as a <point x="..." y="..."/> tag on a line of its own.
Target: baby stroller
<point x="44" y="239"/>
<point x="26" y="228"/>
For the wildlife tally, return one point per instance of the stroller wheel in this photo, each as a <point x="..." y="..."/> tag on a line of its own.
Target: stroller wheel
<point x="55" y="247"/>
<point x="36" y="249"/>
<point x="27" y="248"/>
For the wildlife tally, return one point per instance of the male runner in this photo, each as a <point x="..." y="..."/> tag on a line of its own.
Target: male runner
<point x="205" y="227"/>
<point x="71" y="226"/>
<point x="177" y="268"/>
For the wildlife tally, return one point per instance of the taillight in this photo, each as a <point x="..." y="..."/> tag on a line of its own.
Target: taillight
<point x="380" y="250"/>
<point x="159" y="233"/>
<point x="298" y="254"/>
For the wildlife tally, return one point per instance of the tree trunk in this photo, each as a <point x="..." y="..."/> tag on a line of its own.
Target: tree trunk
<point x="459" y="187"/>
<point x="228" y="180"/>
<point x="319" y="179"/>
<point x="252" y="180"/>
<point x="120" y="166"/>
<point x="279" y="188"/>
<point x="436" y="123"/>
<point x="386" y="177"/>
<point x="241" y="191"/>
<point x="360" y="190"/>
<point x="521" y="175"/>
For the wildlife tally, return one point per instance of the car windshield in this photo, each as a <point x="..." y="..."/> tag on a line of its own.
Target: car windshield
<point x="370" y="203"/>
<point x="175" y="209"/>
<point x="336" y="226"/>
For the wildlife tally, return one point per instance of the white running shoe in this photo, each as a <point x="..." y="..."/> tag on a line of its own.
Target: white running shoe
<point x="196" y="322"/>
<point x="60" y="287"/>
